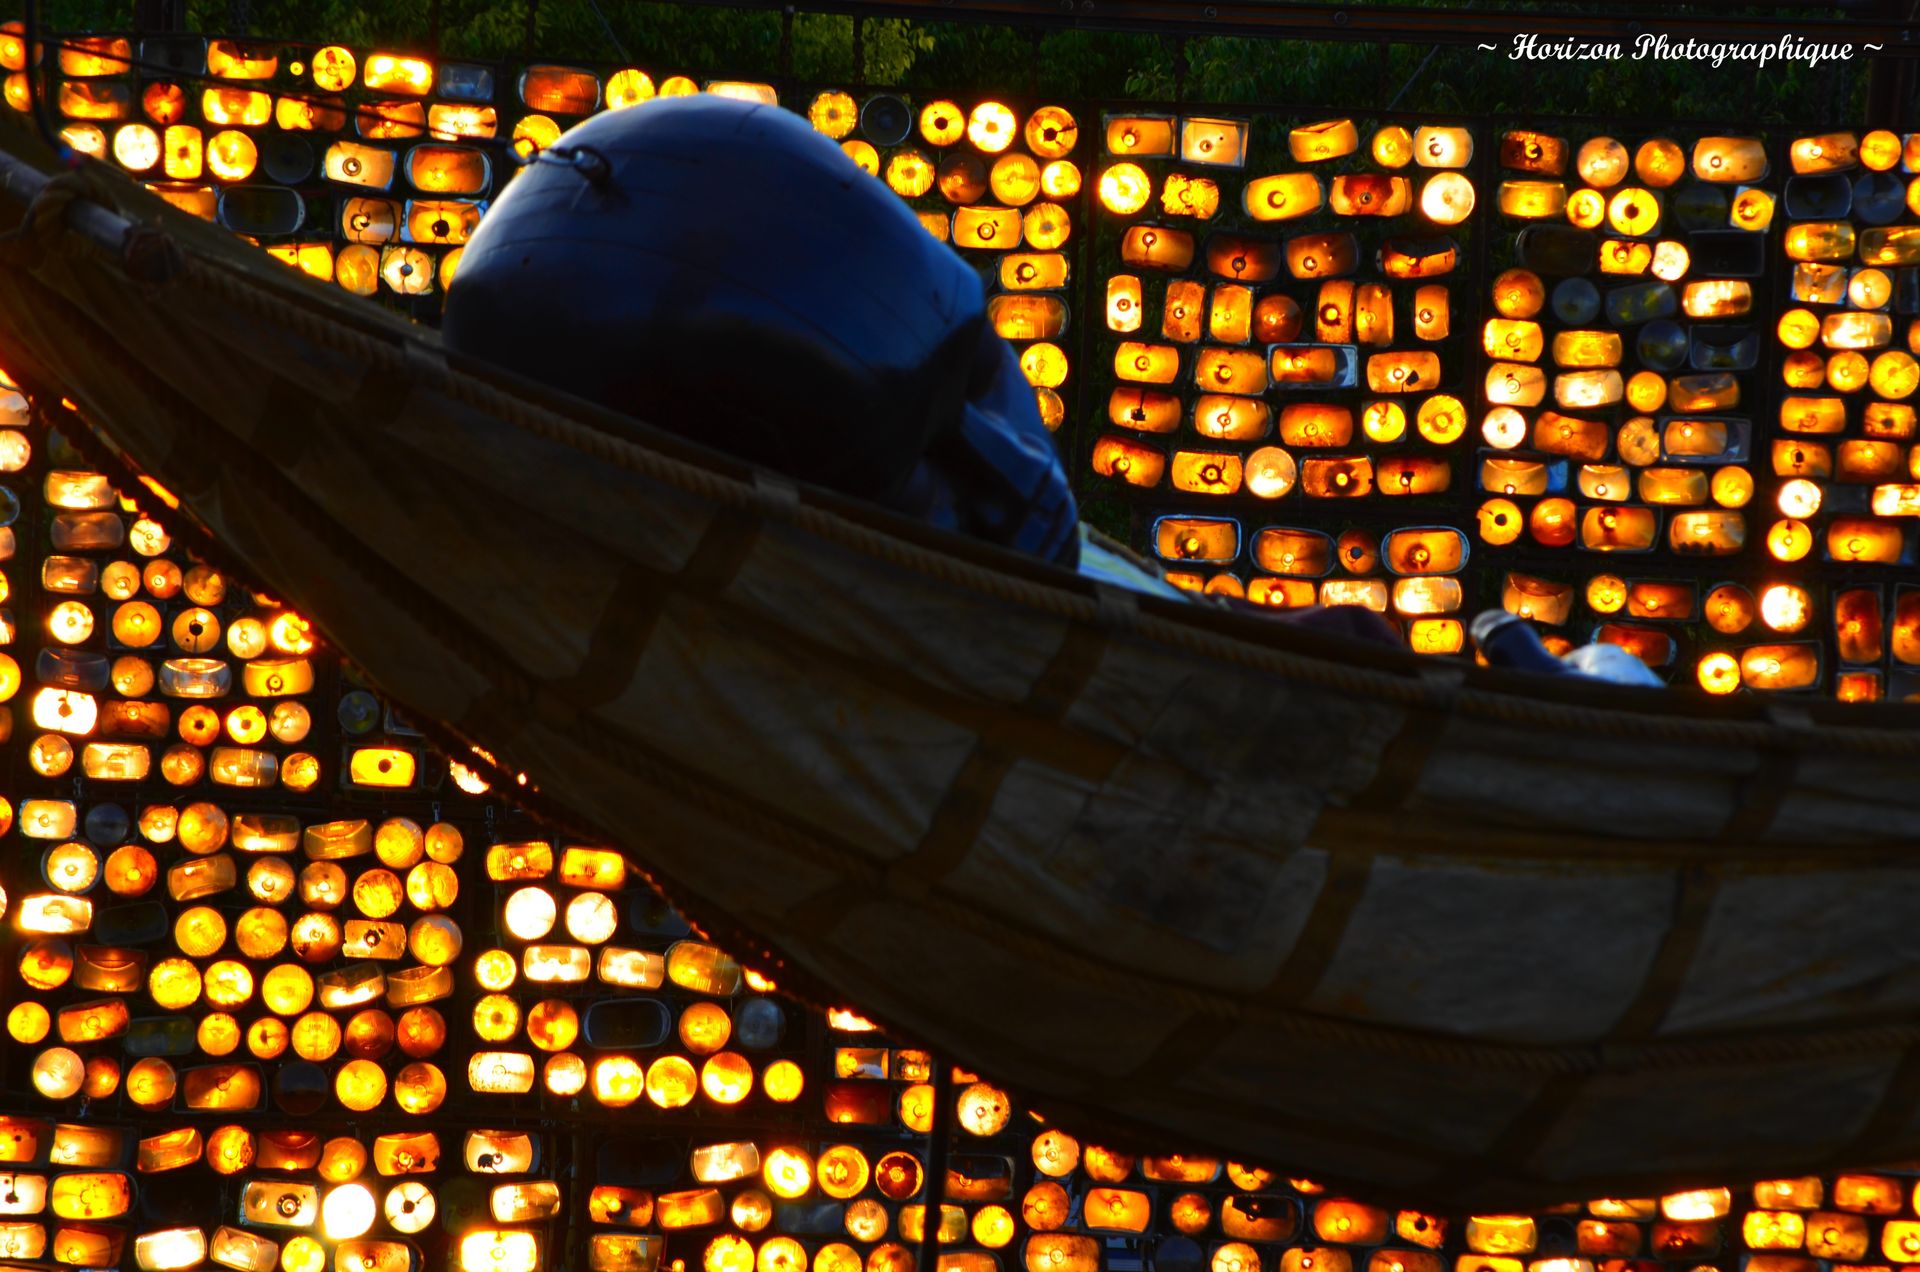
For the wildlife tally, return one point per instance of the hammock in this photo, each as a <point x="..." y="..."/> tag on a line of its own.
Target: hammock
<point x="1181" y="877"/>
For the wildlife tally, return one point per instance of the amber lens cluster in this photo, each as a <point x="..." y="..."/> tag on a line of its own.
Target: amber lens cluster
<point x="292" y="990"/>
<point x="1617" y="410"/>
<point x="361" y="1024"/>
<point x="1284" y="378"/>
<point x="1845" y="457"/>
<point x="397" y="143"/>
<point x="401" y="147"/>
<point x="372" y="1020"/>
<point x="1001" y="188"/>
<point x="1284" y="405"/>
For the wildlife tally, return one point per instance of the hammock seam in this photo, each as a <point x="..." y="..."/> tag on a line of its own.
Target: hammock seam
<point x="1574" y="1061"/>
<point x="1570" y="1059"/>
<point x="1508" y="708"/>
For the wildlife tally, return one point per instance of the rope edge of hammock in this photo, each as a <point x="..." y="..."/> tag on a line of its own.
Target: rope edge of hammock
<point x="1602" y="1056"/>
<point x="1054" y="598"/>
<point x="1252" y="645"/>
<point x="1571" y="1062"/>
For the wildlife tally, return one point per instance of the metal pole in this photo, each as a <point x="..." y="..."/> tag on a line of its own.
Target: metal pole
<point x="38" y="79"/>
<point x="21" y="181"/>
<point x="1892" y="82"/>
<point x="934" y="1191"/>
<point x="159" y="17"/>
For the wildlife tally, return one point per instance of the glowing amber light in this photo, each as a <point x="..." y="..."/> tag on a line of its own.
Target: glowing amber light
<point x="1270" y="472"/>
<point x="499" y="1251"/>
<point x="783" y="1081"/>
<point x="1880" y="150"/>
<point x="843" y="1172"/>
<point x="58" y="1073"/>
<point x="1392" y="147"/>
<point x="1732" y="487"/>
<point x="534" y="133"/>
<point x="391" y="74"/>
<point x="992" y="127"/>
<point x="1789" y="540"/>
<point x="86" y="139"/>
<point x="1532" y="200"/>
<point x="1633" y="211"/>
<point x="787" y="1172"/>
<point x="28" y="1022"/>
<point x="1184" y="195"/>
<point x="1752" y="210"/>
<point x="496" y="1018"/>
<point x="1326" y="139"/>
<point x="631" y="86"/>
<point x="1044" y="364"/>
<point x="1602" y="162"/>
<point x="1785" y="607"/>
<point x="909" y="174"/>
<point x="1586" y="208"/>
<point x="1447" y="198"/>
<point x="360" y="1085"/>
<point x="1052" y="132"/>
<point x="705" y="1028"/>
<point x="419" y="1088"/>
<point x="333" y="69"/>
<point x="136" y="147"/>
<point x="1441" y="419"/>
<point x="728" y="1253"/>
<point x="231" y="155"/>
<point x="1500" y="522"/>
<point x="183" y="152"/>
<point x="565" y="1074"/>
<point x="1799" y="498"/>
<point x="1125" y="188"/>
<point x="303" y="1254"/>
<point x="1696" y="1206"/>
<point x="1282" y="197"/>
<point x="671" y="1082"/>
<point x="348" y="1211"/>
<point x="290" y="634"/>
<point x="1773" y="1230"/>
<point x="942" y="123"/>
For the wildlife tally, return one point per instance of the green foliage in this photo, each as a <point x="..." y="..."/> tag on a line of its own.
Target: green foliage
<point x="942" y="57"/>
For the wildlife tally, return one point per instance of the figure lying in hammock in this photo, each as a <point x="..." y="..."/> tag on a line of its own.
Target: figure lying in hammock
<point x="723" y="271"/>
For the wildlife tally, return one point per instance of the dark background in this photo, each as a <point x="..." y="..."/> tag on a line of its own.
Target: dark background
<point x="914" y="55"/>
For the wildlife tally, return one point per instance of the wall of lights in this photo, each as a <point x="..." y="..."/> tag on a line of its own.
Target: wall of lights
<point x="290" y="989"/>
<point x="1652" y="390"/>
<point x="1621" y="388"/>
<point x="1287" y="375"/>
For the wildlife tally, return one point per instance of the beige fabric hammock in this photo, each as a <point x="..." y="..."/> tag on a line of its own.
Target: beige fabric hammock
<point x="1178" y="875"/>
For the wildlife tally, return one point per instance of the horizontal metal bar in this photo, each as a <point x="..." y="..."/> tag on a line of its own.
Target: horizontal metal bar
<point x="22" y="181"/>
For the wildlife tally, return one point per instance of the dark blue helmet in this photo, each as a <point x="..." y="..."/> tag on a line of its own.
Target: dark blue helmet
<point x="719" y="269"/>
